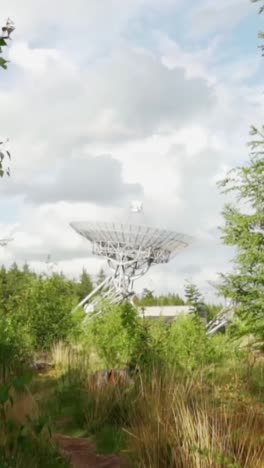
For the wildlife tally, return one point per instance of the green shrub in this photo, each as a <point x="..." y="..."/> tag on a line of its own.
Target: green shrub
<point x="189" y="348"/>
<point x="109" y="336"/>
<point x="15" y="347"/>
<point x="120" y="337"/>
<point x="49" y="305"/>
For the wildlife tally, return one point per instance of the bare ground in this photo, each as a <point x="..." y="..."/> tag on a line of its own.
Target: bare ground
<point x="81" y="453"/>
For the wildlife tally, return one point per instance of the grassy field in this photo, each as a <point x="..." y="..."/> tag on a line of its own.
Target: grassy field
<point x="212" y="417"/>
<point x="187" y="400"/>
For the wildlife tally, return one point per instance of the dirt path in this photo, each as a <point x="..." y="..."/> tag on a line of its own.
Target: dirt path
<point x="82" y="453"/>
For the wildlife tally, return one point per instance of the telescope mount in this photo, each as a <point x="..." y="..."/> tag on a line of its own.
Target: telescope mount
<point x="130" y="250"/>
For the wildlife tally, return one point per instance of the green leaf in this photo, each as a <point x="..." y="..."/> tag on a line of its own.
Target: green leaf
<point x="21" y="382"/>
<point x="3" y="63"/>
<point x="39" y="425"/>
<point x="4" y="394"/>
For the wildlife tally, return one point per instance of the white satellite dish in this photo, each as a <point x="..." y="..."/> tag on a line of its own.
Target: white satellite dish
<point x="136" y="206"/>
<point x="130" y="249"/>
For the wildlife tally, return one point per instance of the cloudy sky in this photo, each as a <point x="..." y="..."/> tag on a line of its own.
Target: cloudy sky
<point x="106" y="101"/>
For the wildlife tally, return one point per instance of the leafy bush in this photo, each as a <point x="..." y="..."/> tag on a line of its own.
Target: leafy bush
<point x="120" y="337"/>
<point x="15" y="347"/>
<point x="189" y="347"/>
<point x="40" y="304"/>
<point x="49" y="306"/>
<point x="108" y="335"/>
<point x="14" y="287"/>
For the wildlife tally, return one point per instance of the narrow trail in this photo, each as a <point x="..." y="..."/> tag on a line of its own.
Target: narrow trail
<point x="82" y="453"/>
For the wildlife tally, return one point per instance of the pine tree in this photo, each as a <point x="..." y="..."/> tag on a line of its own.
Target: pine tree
<point x="148" y="299"/>
<point x="3" y="287"/>
<point x="85" y="286"/>
<point x="16" y="284"/>
<point x="195" y="300"/>
<point x="101" y="276"/>
<point x="244" y="229"/>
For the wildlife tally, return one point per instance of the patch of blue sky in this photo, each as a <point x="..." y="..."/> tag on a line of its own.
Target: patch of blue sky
<point x="245" y="35"/>
<point x="243" y="44"/>
<point x="82" y="48"/>
<point x="9" y="77"/>
<point x="142" y="30"/>
<point x="47" y="36"/>
<point x="257" y="78"/>
<point x="9" y="209"/>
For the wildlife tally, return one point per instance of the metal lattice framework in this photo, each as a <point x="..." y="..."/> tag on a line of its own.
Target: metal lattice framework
<point x="130" y="249"/>
<point x="222" y="319"/>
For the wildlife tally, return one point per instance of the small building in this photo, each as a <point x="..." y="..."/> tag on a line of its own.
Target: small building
<point x="167" y="312"/>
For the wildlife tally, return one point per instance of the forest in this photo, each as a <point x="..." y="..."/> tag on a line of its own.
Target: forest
<point x="117" y="390"/>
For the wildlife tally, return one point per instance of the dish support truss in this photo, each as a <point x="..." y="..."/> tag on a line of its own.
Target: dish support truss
<point x="223" y="319"/>
<point x="126" y="265"/>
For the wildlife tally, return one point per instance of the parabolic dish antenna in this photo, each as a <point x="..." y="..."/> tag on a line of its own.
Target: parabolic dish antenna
<point x="130" y="249"/>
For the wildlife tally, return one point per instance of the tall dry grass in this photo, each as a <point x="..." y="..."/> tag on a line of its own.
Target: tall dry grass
<point x="179" y="424"/>
<point x="66" y="357"/>
<point x="169" y="420"/>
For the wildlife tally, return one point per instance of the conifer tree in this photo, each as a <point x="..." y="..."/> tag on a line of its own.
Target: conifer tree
<point x="195" y="300"/>
<point x="244" y="229"/>
<point x="101" y="276"/>
<point x="85" y="286"/>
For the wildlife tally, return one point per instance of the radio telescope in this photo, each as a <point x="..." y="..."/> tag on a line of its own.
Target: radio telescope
<point x="130" y="248"/>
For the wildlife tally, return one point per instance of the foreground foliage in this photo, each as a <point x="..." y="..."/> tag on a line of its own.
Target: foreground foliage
<point x="210" y="417"/>
<point x="193" y="400"/>
<point x="244" y="228"/>
<point x="25" y="437"/>
<point x="7" y="30"/>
